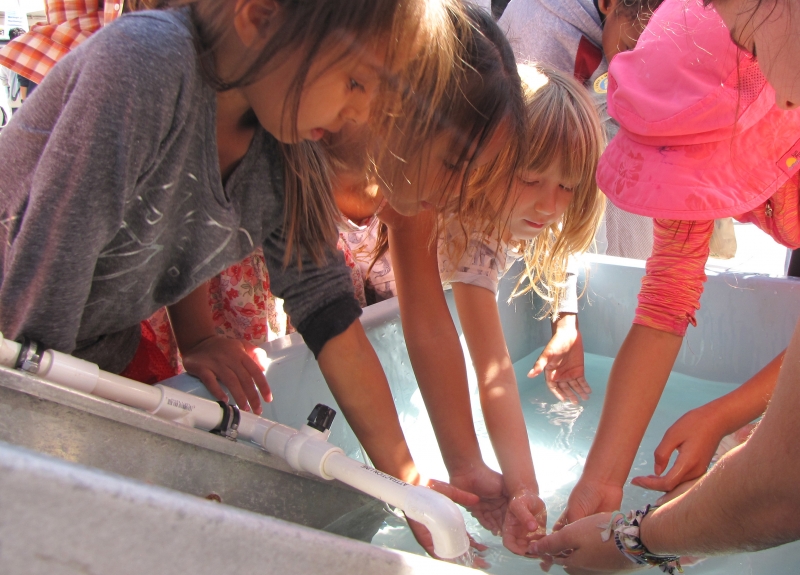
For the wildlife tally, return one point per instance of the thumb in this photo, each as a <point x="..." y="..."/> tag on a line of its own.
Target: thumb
<point x="557" y="542"/>
<point x="540" y="364"/>
<point x="463" y="498"/>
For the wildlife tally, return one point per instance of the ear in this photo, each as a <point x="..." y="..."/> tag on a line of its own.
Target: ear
<point x="606" y="7"/>
<point x="252" y="18"/>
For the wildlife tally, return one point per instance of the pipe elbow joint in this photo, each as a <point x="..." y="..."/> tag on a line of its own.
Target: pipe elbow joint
<point x="442" y="518"/>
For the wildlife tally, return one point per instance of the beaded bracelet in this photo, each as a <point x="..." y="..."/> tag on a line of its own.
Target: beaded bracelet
<point x="626" y="536"/>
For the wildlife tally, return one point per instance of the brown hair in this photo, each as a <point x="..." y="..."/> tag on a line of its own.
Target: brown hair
<point x="334" y="29"/>
<point x="483" y="92"/>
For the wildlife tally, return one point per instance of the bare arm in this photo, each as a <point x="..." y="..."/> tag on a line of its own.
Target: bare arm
<point x="526" y="518"/>
<point x="697" y="434"/>
<point x="438" y="362"/>
<point x="669" y="296"/>
<point x="214" y="358"/>
<point x="358" y="383"/>
<point x="748" y="501"/>
<point x="497" y="385"/>
<point x="432" y="341"/>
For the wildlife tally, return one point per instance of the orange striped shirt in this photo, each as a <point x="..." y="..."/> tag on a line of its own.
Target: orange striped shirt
<point x="675" y="272"/>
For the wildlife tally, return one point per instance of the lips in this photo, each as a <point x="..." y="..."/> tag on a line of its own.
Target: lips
<point x="534" y="225"/>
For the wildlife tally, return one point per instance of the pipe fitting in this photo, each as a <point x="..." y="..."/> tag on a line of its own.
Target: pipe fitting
<point x="441" y="517"/>
<point x="187" y="409"/>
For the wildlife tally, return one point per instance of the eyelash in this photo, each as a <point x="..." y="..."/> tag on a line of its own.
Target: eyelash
<point x="356" y="86"/>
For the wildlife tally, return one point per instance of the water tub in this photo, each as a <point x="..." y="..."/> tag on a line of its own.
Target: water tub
<point x="744" y="322"/>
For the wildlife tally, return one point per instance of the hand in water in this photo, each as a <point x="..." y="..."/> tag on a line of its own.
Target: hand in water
<point x="459" y="496"/>
<point x="696" y="437"/>
<point x="580" y="549"/>
<point x="490" y="510"/>
<point x="233" y="363"/>
<point x="562" y="363"/>
<point x="587" y="498"/>
<point x="526" y="521"/>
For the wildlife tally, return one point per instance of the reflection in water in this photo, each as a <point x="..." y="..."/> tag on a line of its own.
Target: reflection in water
<point x="563" y="415"/>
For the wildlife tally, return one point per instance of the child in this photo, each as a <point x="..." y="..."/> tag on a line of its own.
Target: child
<point x="701" y="139"/>
<point x="581" y="37"/>
<point x="115" y="206"/>
<point x="467" y="101"/>
<point x="555" y="211"/>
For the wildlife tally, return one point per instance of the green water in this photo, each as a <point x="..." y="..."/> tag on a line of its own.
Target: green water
<point x="560" y="436"/>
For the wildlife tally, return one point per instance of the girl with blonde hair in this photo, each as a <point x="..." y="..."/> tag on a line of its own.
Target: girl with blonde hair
<point x="553" y="211"/>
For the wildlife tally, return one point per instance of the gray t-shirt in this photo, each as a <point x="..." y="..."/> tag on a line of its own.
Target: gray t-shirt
<point x="112" y="203"/>
<point x="566" y="35"/>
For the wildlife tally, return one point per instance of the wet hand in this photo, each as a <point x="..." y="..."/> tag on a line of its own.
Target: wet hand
<point x="580" y="549"/>
<point x="525" y="521"/>
<point x="490" y="510"/>
<point x="696" y="437"/>
<point x="587" y="498"/>
<point x="218" y="360"/>
<point x="563" y="365"/>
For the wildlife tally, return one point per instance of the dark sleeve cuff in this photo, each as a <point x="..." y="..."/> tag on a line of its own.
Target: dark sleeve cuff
<point x="328" y="322"/>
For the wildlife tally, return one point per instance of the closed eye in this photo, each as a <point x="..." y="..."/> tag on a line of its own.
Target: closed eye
<point x="356" y="86"/>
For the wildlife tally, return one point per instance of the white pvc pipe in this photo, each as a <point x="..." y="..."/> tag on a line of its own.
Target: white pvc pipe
<point x="306" y="450"/>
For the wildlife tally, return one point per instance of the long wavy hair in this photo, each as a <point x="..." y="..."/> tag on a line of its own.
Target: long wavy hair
<point x="563" y="129"/>
<point x="418" y="42"/>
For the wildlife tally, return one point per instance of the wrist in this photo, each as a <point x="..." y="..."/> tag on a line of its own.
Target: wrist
<point x="565" y="321"/>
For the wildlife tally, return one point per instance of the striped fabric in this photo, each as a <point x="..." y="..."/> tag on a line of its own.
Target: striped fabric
<point x="70" y="22"/>
<point x="675" y="272"/>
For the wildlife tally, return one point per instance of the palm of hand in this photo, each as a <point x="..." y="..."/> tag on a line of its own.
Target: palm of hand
<point x="517" y="533"/>
<point x="564" y="370"/>
<point x="490" y="511"/>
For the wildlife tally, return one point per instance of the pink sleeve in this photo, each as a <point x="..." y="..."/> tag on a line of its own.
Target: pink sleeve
<point x="675" y="274"/>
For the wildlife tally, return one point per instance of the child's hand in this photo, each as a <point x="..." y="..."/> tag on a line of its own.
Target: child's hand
<point x="526" y="521"/>
<point x="696" y="437"/>
<point x="232" y="362"/>
<point x="490" y="510"/>
<point x="562" y="363"/>
<point x="459" y="496"/>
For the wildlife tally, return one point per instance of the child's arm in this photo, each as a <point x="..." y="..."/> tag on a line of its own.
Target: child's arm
<point x="562" y="361"/>
<point x="697" y="434"/>
<point x="502" y="411"/>
<point x="562" y="358"/>
<point x="670" y="293"/>
<point x="438" y="362"/>
<point x="358" y="383"/>
<point x="214" y="358"/>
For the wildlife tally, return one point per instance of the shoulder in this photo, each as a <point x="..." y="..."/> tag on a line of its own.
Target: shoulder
<point x="149" y="44"/>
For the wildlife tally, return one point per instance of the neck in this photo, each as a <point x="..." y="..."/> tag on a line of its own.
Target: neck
<point x="356" y="198"/>
<point x="235" y="130"/>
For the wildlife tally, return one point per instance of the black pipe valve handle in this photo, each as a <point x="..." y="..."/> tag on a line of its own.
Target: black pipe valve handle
<point x="321" y="417"/>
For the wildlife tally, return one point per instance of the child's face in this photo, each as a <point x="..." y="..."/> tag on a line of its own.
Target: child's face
<point x="333" y="95"/>
<point x="541" y="198"/>
<point x="620" y="31"/>
<point x="436" y="167"/>
<point x="769" y="30"/>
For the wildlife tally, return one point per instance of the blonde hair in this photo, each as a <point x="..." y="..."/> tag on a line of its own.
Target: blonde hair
<point x="480" y="92"/>
<point x="564" y="129"/>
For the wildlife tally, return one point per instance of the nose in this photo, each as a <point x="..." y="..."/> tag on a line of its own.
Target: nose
<point x="546" y="202"/>
<point x="358" y="107"/>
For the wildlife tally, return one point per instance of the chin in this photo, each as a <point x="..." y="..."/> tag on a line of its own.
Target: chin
<point x="406" y="209"/>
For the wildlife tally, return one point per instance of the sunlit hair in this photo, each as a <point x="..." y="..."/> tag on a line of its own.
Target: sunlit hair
<point x="563" y="129"/>
<point x="482" y="93"/>
<point x="419" y="31"/>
